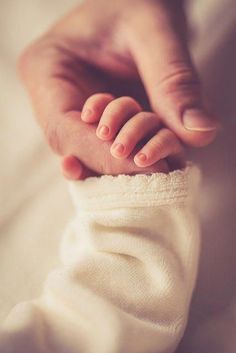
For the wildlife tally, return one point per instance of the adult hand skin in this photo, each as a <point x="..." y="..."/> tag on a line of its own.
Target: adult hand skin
<point x="135" y="48"/>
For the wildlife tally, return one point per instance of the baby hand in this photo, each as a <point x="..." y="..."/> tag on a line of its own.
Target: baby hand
<point x="132" y="131"/>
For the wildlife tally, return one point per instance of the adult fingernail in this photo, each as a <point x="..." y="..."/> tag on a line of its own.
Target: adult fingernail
<point x="103" y="130"/>
<point x="118" y="148"/>
<point x="198" y="120"/>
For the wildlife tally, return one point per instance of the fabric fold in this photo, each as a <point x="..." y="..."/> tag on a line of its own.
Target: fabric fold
<point x="138" y="190"/>
<point x="129" y="266"/>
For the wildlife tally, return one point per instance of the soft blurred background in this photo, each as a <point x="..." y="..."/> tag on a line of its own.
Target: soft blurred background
<point x="35" y="206"/>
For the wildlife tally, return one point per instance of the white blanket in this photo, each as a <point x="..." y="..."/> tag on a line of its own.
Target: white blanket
<point x="31" y="187"/>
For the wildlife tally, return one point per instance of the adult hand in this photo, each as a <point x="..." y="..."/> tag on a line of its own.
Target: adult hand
<point x="136" y="48"/>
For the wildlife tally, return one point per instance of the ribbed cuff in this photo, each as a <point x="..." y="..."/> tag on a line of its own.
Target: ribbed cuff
<point x="140" y="190"/>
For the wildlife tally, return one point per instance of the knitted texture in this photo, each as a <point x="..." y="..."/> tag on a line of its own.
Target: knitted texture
<point x="129" y="265"/>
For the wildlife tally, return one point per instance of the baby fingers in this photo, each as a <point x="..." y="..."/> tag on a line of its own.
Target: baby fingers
<point x="115" y="115"/>
<point x="134" y="131"/>
<point x="162" y="145"/>
<point x="94" y="107"/>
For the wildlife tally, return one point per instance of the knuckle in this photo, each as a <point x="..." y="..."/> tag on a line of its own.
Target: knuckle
<point x="31" y="57"/>
<point x="155" y="146"/>
<point x="127" y="100"/>
<point x="23" y="61"/>
<point x="144" y="119"/>
<point x="128" y="140"/>
<point x="97" y="97"/>
<point x="127" y="136"/>
<point x="107" y="95"/>
<point x="33" y="50"/>
<point x="180" y="80"/>
<point x="146" y="116"/>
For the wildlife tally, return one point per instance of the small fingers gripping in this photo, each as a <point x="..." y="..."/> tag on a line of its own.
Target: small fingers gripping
<point x="94" y="107"/>
<point x="115" y="115"/>
<point x="133" y="132"/>
<point x="122" y="121"/>
<point x="162" y="145"/>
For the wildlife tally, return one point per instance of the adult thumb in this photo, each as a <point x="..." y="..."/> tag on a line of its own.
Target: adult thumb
<point x="159" y="48"/>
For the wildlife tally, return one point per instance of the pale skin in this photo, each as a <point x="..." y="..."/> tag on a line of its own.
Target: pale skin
<point x="133" y="133"/>
<point x="120" y="63"/>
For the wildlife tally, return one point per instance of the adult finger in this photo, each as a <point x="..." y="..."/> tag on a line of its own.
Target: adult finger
<point x="160" y="51"/>
<point x="58" y="85"/>
<point x="94" y="107"/>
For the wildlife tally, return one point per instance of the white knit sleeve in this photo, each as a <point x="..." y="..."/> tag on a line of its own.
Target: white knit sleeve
<point x="130" y="260"/>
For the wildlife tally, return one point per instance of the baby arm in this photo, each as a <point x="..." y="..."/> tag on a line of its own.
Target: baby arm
<point x="130" y="255"/>
<point x="129" y="267"/>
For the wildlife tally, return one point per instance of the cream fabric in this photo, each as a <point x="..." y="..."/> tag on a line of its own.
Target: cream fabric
<point x="130" y="260"/>
<point x="34" y="204"/>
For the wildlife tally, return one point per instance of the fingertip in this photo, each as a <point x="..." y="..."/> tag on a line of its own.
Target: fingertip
<point x="71" y="168"/>
<point x="94" y="107"/>
<point x="88" y="116"/>
<point x="201" y="127"/>
<point x="199" y="138"/>
<point x="140" y="159"/>
<point x="197" y="120"/>
<point x="162" y="145"/>
<point x="103" y="132"/>
<point x="161" y="166"/>
<point x="115" y="116"/>
<point x="193" y="129"/>
<point x="117" y="150"/>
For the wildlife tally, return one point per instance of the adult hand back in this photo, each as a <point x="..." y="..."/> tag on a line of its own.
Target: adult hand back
<point x="136" y="48"/>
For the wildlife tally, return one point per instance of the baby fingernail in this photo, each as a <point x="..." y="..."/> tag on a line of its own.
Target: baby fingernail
<point x="118" y="148"/>
<point x="86" y="114"/>
<point x="103" y="130"/>
<point x="142" y="157"/>
<point x="198" y="120"/>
